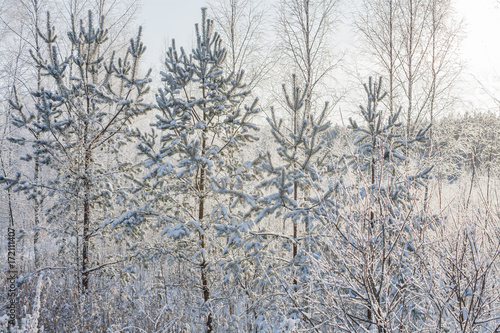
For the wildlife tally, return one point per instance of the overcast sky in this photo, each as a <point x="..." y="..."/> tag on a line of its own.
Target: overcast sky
<point x="481" y="47"/>
<point x="163" y="20"/>
<point x="166" y="19"/>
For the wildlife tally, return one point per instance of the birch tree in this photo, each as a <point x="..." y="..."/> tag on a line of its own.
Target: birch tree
<point x="306" y="27"/>
<point x="242" y="26"/>
<point x="415" y="43"/>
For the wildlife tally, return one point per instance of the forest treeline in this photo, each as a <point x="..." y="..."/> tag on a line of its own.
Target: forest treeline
<point x="228" y="191"/>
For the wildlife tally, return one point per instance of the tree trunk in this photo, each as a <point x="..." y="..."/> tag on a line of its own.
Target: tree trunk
<point x="201" y="212"/>
<point x="86" y="222"/>
<point x="391" y="60"/>
<point x="203" y="265"/>
<point x="36" y="177"/>
<point x="295" y="232"/>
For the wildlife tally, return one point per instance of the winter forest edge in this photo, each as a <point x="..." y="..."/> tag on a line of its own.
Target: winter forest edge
<point x="260" y="180"/>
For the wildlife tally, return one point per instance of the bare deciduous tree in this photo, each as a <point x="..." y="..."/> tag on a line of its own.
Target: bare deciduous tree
<point x="242" y="25"/>
<point x="305" y="29"/>
<point x="415" y="43"/>
<point x="378" y="23"/>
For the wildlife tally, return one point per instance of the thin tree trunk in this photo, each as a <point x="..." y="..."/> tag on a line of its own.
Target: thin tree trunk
<point x="201" y="212"/>
<point x="295" y="231"/>
<point x="203" y="265"/>
<point x="86" y="186"/>
<point x="309" y="77"/>
<point x="295" y="190"/>
<point x="410" y="70"/>
<point x="488" y="179"/>
<point x="433" y="68"/>
<point x="86" y="221"/>
<point x="471" y="178"/>
<point x="37" y="206"/>
<point x="391" y="60"/>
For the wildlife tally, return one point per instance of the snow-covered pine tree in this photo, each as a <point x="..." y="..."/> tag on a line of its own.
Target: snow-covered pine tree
<point x="371" y="272"/>
<point x="197" y="180"/>
<point x="25" y="28"/>
<point x="80" y="116"/>
<point x="295" y="191"/>
<point x="381" y="150"/>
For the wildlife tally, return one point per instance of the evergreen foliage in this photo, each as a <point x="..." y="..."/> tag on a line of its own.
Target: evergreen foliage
<point x="198" y="178"/>
<point x="378" y="239"/>
<point x="80" y="124"/>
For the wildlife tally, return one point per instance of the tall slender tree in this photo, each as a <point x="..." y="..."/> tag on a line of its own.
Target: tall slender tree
<point x="296" y="192"/>
<point x="378" y="24"/>
<point x="370" y="268"/>
<point x="196" y="167"/>
<point x="305" y="28"/>
<point x="86" y="111"/>
<point x="242" y="25"/>
<point x="415" y="45"/>
<point x="24" y="25"/>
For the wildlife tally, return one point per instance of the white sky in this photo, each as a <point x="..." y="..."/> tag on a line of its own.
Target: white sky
<point x="163" y="20"/>
<point x="481" y="47"/>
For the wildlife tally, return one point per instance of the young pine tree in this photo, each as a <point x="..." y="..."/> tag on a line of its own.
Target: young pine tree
<point x="374" y="263"/>
<point x="81" y="116"/>
<point x="295" y="191"/>
<point x="197" y="179"/>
